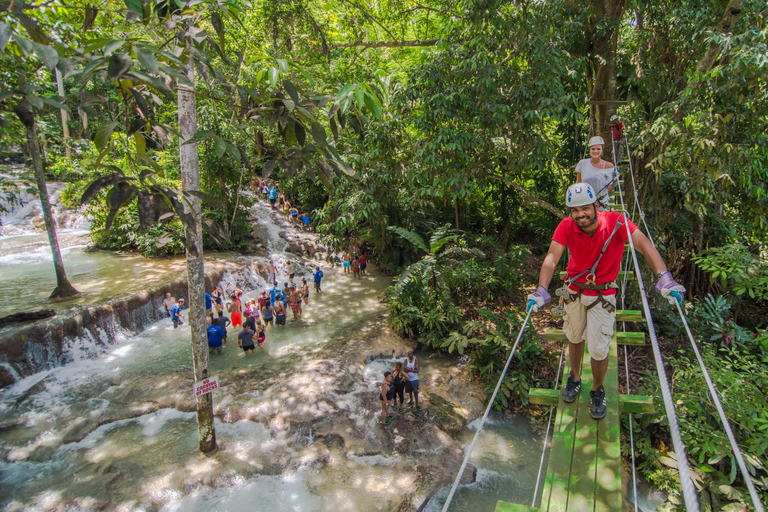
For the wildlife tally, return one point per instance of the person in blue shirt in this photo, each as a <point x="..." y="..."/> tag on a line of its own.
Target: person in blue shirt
<point x="318" y="277"/>
<point x="215" y="336"/>
<point x="274" y="292"/>
<point x="273" y="197"/>
<point x="208" y="305"/>
<point x="176" y="313"/>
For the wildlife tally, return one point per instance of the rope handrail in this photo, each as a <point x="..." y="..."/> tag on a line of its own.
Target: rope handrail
<point x="485" y="416"/>
<point x="689" y="492"/>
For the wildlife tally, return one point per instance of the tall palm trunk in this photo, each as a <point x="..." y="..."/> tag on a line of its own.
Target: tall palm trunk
<point x="63" y="287"/>
<point x="193" y="242"/>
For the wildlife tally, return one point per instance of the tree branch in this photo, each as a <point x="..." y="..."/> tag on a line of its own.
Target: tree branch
<point x="729" y="19"/>
<point x="532" y="199"/>
<point x="386" y="44"/>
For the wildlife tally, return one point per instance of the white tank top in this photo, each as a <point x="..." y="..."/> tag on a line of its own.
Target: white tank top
<point x="411" y="366"/>
<point x="597" y="177"/>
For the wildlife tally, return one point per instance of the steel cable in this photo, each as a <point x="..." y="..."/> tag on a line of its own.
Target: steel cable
<point x="485" y="416"/>
<point x="549" y="425"/>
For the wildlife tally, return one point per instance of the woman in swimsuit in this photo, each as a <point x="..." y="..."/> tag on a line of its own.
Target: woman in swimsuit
<point x="386" y="393"/>
<point x="399" y="378"/>
<point x="217" y="301"/>
<point x="269" y="313"/>
<point x="260" y="335"/>
<point x="363" y="264"/>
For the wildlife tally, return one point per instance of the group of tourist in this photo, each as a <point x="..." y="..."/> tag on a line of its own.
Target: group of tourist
<point x="278" y="202"/>
<point x="404" y="378"/>
<point x="354" y="264"/>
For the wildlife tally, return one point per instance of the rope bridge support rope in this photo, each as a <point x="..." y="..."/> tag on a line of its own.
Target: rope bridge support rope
<point x="485" y="416"/>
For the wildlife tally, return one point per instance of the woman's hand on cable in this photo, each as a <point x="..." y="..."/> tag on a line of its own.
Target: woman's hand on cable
<point x="537" y="299"/>
<point x="669" y="289"/>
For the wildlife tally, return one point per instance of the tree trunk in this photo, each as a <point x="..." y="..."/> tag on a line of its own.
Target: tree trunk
<point x="602" y="57"/>
<point x="63" y="286"/>
<point x="193" y="242"/>
<point x="456" y="211"/>
<point x="64" y="125"/>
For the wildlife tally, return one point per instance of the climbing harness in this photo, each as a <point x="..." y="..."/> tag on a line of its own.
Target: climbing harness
<point x="568" y="296"/>
<point x="485" y="416"/>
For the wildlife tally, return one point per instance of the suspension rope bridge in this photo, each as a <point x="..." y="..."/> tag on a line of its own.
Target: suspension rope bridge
<point x="584" y="469"/>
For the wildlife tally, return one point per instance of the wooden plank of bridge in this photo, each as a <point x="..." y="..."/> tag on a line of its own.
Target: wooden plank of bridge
<point x="581" y="493"/>
<point x="555" y="495"/>
<point x="608" y="476"/>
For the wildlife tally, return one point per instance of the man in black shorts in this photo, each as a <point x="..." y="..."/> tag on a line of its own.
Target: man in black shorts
<point x="245" y="340"/>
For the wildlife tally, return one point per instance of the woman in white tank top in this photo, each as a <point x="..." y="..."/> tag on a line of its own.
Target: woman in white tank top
<point x="412" y="386"/>
<point x="596" y="171"/>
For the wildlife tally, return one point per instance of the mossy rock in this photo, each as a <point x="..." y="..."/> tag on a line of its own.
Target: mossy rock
<point x="444" y="415"/>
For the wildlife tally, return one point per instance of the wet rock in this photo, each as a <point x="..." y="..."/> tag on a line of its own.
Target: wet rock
<point x="335" y="442"/>
<point x="6" y="379"/>
<point x="42" y="454"/>
<point x="445" y="416"/>
<point x="469" y="476"/>
<point x="294" y="248"/>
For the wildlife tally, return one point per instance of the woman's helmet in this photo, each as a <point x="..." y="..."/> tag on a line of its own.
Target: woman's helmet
<point x="580" y="194"/>
<point x="614" y="117"/>
<point x="594" y="141"/>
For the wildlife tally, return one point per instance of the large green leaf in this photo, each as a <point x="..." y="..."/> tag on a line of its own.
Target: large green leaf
<point x="103" y="135"/>
<point x="5" y="35"/>
<point x="146" y="59"/>
<point x="412" y="237"/>
<point x="119" y="64"/>
<point x="201" y="135"/>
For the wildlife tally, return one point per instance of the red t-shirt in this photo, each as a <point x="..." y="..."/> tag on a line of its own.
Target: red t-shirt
<point x="586" y="249"/>
<point x="618" y="131"/>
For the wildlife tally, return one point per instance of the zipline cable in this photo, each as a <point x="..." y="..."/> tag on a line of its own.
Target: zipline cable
<point x="549" y="425"/>
<point x="723" y="418"/>
<point x="485" y="416"/>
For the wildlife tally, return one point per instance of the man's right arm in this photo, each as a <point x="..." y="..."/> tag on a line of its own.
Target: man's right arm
<point x="554" y="254"/>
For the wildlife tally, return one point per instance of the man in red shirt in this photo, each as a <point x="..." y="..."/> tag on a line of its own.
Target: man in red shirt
<point x="596" y="241"/>
<point x="617" y="129"/>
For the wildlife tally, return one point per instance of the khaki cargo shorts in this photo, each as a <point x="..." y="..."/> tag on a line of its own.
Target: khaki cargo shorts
<point x="595" y="325"/>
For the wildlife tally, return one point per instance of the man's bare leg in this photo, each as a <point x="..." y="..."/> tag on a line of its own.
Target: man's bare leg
<point x="598" y="372"/>
<point x="576" y="353"/>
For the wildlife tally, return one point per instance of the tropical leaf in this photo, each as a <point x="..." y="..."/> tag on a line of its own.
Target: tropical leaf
<point x="412" y="237"/>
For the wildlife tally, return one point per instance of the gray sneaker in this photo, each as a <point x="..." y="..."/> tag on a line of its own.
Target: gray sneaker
<point x="571" y="390"/>
<point x="597" y="403"/>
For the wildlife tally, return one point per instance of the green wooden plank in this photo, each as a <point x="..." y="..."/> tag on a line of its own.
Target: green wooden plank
<point x="630" y="338"/>
<point x="608" y="476"/>
<point x="636" y="404"/>
<point x="503" y="506"/>
<point x="555" y="335"/>
<point x="624" y="338"/>
<point x="629" y="315"/>
<point x="544" y="396"/>
<point x="555" y="495"/>
<point x="622" y="273"/>
<point x="581" y="494"/>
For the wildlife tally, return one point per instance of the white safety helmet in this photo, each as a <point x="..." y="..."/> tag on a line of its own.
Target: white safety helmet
<point x="594" y="141"/>
<point x="614" y="117"/>
<point x="580" y="194"/>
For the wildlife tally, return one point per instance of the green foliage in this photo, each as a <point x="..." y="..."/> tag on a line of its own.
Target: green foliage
<point x="738" y="271"/>
<point x="490" y="345"/>
<point x="739" y="370"/>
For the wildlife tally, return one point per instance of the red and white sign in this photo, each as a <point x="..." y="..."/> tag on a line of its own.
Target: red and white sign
<point x="206" y="386"/>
